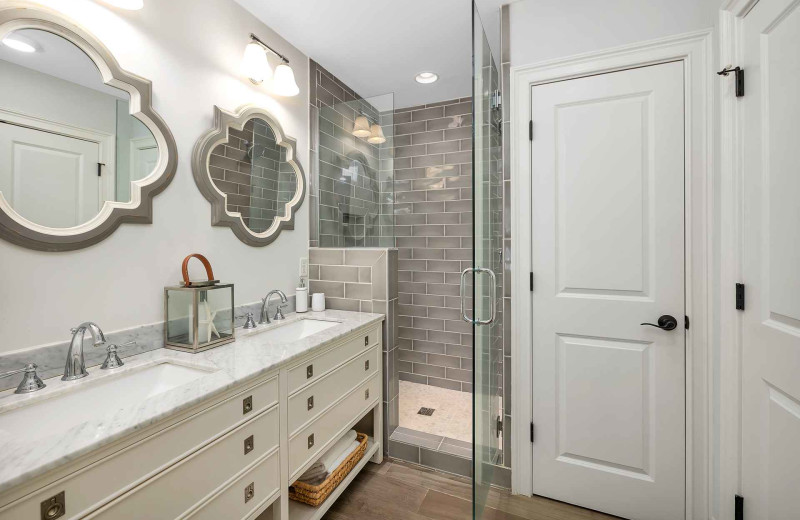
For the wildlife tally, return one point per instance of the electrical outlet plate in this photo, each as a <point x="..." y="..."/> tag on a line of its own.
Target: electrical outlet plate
<point x="304" y="267"/>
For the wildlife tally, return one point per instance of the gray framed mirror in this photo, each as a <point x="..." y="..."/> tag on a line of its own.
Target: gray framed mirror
<point x="81" y="149"/>
<point x="247" y="168"/>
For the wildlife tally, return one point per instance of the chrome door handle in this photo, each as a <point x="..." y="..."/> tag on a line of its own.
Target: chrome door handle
<point x="665" y="322"/>
<point x="493" y="295"/>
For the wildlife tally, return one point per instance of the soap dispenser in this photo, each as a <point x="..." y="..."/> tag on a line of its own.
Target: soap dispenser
<point x="301" y="297"/>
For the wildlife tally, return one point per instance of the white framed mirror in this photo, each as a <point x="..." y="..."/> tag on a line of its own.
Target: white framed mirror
<point x="81" y="150"/>
<point x="247" y="167"/>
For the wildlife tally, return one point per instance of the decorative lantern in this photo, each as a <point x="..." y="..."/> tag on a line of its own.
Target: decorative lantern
<point x="198" y="315"/>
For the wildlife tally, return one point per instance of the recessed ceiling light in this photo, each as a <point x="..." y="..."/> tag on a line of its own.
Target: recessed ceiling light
<point x="130" y="5"/>
<point x="426" y="77"/>
<point x="18" y="45"/>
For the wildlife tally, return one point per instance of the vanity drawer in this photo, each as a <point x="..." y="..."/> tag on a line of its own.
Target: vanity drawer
<point x="315" y="398"/>
<point x="194" y="479"/>
<point x="315" y="438"/>
<point x="92" y="486"/>
<point x="234" y="503"/>
<point x="320" y="365"/>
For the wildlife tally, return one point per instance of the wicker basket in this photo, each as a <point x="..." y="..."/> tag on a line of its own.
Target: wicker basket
<point x="316" y="495"/>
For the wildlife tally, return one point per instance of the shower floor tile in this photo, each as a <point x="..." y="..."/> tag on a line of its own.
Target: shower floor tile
<point x="452" y="416"/>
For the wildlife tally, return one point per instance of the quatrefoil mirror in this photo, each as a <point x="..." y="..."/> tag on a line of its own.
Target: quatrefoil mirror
<point x="247" y="168"/>
<point x="81" y="149"/>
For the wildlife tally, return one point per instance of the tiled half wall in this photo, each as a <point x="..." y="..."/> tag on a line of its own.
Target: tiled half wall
<point x="364" y="280"/>
<point x="433" y="224"/>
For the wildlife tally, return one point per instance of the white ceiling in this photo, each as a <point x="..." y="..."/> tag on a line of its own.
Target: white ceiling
<point x="60" y="58"/>
<point x="378" y="46"/>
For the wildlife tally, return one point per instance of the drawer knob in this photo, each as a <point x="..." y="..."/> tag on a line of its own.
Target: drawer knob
<point x="249" y="492"/>
<point x="366" y="341"/>
<point x="247" y="404"/>
<point x="366" y="393"/>
<point x="366" y="365"/>
<point x="311" y="441"/>
<point x="311" y="402"/>
<point x="249" y="444"/>
<point x="54" y="507"/>
<point x="309" y="371"/>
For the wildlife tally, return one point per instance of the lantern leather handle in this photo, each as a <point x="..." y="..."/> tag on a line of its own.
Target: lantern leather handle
<point x="185" y="268"/>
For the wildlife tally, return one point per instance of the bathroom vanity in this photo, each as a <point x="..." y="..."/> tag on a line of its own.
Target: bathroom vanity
<point x="218" y="434"/>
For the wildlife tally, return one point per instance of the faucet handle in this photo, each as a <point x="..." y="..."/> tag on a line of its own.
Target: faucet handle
<point x="30" y="381"/>
<point x="250" y="323"/>
<point x="279" y="313"/>
<point x="112" y="359"/>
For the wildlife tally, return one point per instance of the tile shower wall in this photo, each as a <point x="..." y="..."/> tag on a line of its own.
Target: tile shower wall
<point x="505" y="59"/>
<point x="433" y="224"/>
<point x="352" y="197"/>
<point x="364" y="280"/>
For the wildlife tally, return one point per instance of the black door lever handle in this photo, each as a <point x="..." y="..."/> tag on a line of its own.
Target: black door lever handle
<point x="665" y="322"/>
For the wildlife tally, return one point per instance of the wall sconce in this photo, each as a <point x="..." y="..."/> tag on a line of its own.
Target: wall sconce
<point x="256" y="67"/>
<point x="361" y="128"/>
<point x="371" y="131"/>
<point x="376" y="135"/>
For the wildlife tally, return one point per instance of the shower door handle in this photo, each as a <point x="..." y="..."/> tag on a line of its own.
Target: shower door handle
<point x="493" y="296"/>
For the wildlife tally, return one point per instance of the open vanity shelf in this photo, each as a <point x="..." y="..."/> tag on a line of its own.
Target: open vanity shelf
<point x="298" y="511"/>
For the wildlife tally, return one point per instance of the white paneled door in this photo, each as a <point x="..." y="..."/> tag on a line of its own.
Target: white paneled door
<point x="607" y="256"/>
<point x="49" y="179"/>
<point x="771" y="261"/>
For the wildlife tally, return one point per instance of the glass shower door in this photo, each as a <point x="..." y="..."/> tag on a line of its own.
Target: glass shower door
<point x="487" y="261"/>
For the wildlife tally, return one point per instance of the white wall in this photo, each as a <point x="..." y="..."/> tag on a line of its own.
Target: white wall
<point x="548" y="29"/>
<point x="191" y="51"/>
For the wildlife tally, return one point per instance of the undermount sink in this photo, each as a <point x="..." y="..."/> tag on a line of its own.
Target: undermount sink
<point x="74" y="406"/>
<point x="299" y="329"/>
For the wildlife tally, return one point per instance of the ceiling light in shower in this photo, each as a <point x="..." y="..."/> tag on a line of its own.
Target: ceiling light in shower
<point x="376" y="135"/>
<point x="284" y="83"/>
<point x="361" y="128"/>
<point x="19" y="43"/>
<point x="426" y="77"/>
<point x="130" y="5"/>
<point x="254" y="63"/>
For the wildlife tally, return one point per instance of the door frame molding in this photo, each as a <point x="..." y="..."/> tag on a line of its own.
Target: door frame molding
<point x="695" y="50"/>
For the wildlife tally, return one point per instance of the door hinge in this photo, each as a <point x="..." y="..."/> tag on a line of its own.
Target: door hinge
<point x="739" y="296"/>
<point x="738" y="507"/>
<point x="531" y="282"/>
<point x="531" y="432"/>
<point x="738" y="74"/>
<point x="100" y="169"/>
<point x="499" y="427"/>
<point x="495" y="100"/>
<point x="686" y="322"/>
<point x="530" y="130"/>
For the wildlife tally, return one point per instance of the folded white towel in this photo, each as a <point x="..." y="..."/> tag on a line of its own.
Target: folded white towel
<point x="346" y="453"/>
<point x="337" y="449"/>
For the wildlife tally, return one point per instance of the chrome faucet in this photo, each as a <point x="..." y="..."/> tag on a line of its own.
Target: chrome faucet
<point x="265" y="303"/>
<point x="76" y="366"/>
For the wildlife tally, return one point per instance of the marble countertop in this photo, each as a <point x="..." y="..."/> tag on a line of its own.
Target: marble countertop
<point x="251" y="355"/>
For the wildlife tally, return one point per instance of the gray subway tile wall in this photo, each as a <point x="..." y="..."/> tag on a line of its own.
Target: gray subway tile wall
<point x="351" y="193"/>
<point x="433" y="223"/>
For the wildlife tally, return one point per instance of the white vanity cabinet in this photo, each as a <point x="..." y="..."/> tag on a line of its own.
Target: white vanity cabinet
<point x="230" y="457"/>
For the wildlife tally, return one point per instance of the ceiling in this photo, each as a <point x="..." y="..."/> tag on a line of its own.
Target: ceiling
<point x="378" y="46"/>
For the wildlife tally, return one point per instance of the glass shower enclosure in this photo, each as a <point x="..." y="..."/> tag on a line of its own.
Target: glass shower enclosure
<point x="354" y="195"/>
<point x="487" y="266"/>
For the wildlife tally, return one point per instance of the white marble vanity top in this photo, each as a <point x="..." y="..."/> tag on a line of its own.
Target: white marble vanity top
<point x="24" y="457"/>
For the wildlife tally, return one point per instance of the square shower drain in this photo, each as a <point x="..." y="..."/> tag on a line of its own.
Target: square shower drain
<point x="426" y="411"/>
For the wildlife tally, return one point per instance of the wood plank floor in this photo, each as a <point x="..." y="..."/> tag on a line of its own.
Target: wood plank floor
<point x="400" y="491"/>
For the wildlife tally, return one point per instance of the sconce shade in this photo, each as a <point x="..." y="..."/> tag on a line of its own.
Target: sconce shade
<point x="376" y="135"/>
<point x="361" y="127"/>
<point x="284" y="83"/>
<point x="130" y="5"/>
<point x="254" y="63"/>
